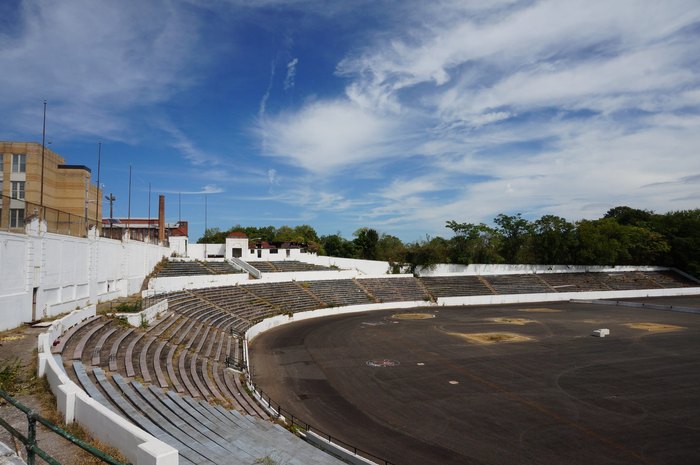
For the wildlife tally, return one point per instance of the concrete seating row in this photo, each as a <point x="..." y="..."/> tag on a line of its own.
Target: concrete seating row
<point x="455" y="286"/>
<point x="221" y="268"/>
<point x="202" y="432"/>
<point x="669" y="279"/>
<point x="394" y="289"/>
<point x="286" y="296"/>
<point x="518" y="284"/>
<point x="574" y="282"/>
<point x="337" y="293"/>
<point x="182" y="269"/>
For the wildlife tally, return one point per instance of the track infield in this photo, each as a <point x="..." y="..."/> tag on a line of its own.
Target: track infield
<point x="465" y="391"/>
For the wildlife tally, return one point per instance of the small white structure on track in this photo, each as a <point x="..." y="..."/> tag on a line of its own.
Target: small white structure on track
<point x="601" y="332"/>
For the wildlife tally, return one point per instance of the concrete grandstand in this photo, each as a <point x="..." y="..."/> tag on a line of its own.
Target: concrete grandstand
<point x="174" y="385"/>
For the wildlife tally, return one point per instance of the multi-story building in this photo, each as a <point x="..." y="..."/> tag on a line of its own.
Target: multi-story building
<point x="66" y="192"/>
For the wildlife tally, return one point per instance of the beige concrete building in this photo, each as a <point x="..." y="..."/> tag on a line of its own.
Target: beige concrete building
<point x="71" y="202"/>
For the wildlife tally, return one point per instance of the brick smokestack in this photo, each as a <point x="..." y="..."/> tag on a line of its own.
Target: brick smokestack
<point x="161" y="218"/>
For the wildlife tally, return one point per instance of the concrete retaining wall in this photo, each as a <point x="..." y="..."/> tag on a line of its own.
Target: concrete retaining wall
<point x="563" y="296"/>
<point x="45" y="275"/>
<point x="477" y="269"/>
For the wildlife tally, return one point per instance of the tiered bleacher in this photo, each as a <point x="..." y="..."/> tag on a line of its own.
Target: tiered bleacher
<point x="287" y="266"/>
<point x="171" y="378"/>
<point x="337" y="293"/>
<point x="517" y="284"/>
<point x="221" y="268"/>
<point x="394" y="289"/>
<point x="456" y="286"/>
<point x="193" y="268"/>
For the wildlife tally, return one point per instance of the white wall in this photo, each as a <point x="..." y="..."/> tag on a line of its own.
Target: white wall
<point x="367" y="267"/>
<point x="563" y="296"/>
<point x="67" y="272"/>
<point x="178" y="244"/>
<point x="196" y="251"/>
<point x="177" y="283"/>
<point x="16" y="265"/>
<point x="480" y="269"/>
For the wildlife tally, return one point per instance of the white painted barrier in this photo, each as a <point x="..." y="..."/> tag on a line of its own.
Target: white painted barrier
<point x="137" y="445"/>
<point x="485" y="269"/>
<point x="563" y="296"/>
<point x="145" y="316"/>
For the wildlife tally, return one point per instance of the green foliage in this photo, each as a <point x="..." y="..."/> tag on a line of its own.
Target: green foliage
<point x="366" y="240"/>
<point x="427" y="253"/>
<point x="10" y="376"/>
<point x="127" y="307"/>
<point x="623" y="236"/>
<point x="336" y="246"/>
<point x="302" y="234"/>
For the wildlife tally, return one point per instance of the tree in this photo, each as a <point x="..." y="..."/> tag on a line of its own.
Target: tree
<point x="516" y="232"/>
<point x="630" y="216"/>
<point x="474" y="243"/>
<point x="336" y="246"/>
<point x="427" y="253"/>
<point x="366" y="240"/>
<point x="391" y="249"/>
<point x="307" y="233"/>
<point x="213" y="236"/>
<point x="554" y="240"/>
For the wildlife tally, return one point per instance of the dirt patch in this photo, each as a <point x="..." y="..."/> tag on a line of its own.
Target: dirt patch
<point x="492" y="338"/>
<point x="539" y="310"/>
<point x="18" y="368"/>
<point x="512" y="321"/>
<point x="654" y="327"/>
<point x="413" y="316"/>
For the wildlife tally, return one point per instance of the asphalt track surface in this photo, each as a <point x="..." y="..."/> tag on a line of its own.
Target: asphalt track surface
<point x="562" y="397"/>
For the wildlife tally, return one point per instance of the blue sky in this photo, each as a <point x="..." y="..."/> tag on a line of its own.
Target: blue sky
<point x="397" y="115"/>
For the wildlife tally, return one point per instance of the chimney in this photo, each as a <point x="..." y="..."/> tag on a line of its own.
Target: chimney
<point x="161" y="218"/>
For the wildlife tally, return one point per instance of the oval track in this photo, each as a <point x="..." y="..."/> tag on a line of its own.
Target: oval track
<point x="452" y="401"/>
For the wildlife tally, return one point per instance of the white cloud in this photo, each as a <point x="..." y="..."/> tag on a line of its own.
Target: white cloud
<point x="327" y="135"/>
<point x="266" y="95"/>
<point x="291" y="74"/>
<point x="94" y="60"/>
<point x="208" y="189"/>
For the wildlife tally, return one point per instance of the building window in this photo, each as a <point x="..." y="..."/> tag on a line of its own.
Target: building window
<point x="18" y="190"/>
<point x="19" y="163"/>
<point x="1" y="187"/>
<point x="16" y="217"/>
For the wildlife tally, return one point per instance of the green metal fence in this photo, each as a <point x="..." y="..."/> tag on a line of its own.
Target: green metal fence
<point x="29" y="440"/>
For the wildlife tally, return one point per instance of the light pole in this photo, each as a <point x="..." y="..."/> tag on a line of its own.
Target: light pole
<point x="97" y="194"/>
<point x="43" y="146"/>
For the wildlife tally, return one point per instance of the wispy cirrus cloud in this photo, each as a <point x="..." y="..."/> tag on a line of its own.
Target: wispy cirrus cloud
<point x="291" y="74"/>
<point x="94" y="61"/>
<point x="546" y="107"/>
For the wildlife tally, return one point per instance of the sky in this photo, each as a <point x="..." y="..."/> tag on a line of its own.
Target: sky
<point x="397" y="115"/>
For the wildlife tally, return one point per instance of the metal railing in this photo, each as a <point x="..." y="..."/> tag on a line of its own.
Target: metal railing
<point x="295" y="422"/>
<point x="16" y="213"/>
<point x="30" y="442"/>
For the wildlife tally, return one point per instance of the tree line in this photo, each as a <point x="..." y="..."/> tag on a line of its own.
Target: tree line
<point x="623" y="236"/>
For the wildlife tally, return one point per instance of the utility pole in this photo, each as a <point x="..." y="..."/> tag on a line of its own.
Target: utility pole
<point x="98" y="194"/>
<point x="110" y="198"/>
<point x="149" y="212"/>
<point x="43" y="146"/>
<point x="128" y="220"/>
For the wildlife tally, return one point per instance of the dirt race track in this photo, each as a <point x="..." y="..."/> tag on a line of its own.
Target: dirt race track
<point x="552" y="395"/>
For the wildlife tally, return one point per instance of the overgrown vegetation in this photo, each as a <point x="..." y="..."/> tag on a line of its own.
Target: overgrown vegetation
<point x="623" y="236"/>
<point x="10" y="376"/>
